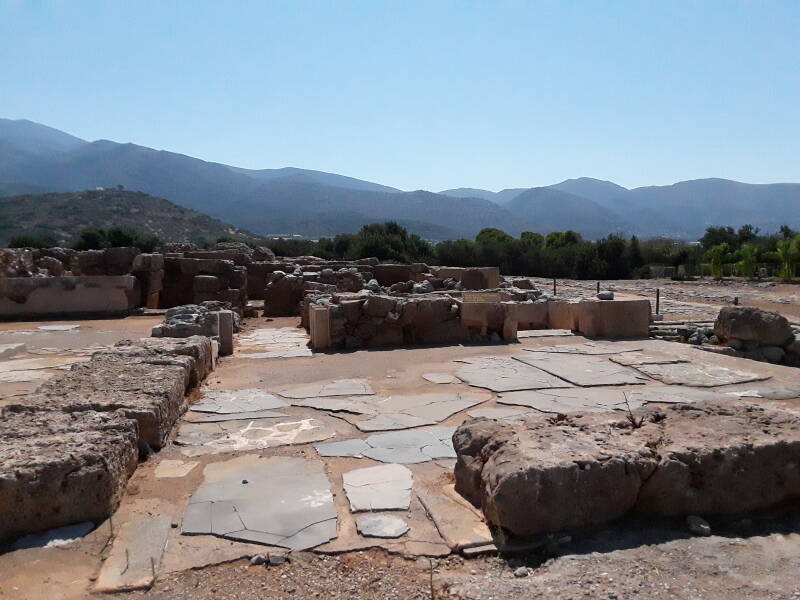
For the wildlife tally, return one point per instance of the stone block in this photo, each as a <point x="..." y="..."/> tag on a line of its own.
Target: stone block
<point x="529" y="315"/>
<point x="59" y="468"/>
<point x="389" y="274"/>
<point x="480" y="278"/>
<point x="613" y="318"/>
<point x="320" y="326"/>
<point x="148" y="262"/>
<point x="543" y="475"/>
<point x="379" y="306"/>
<point x="206" y="284"/>
<point x="482" y="315"/>
<point x="73" y="296"/>
<point x="225" y="332"/>
<point x="761" y="327"/>
<point x="562" y="315"/>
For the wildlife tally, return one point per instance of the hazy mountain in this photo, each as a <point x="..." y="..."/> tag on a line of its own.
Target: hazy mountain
<point x="292" y="200"/>
<point x="595" y="189"/>
<point x="545" y="209"/>
<point x="33" y="138"/>
<point x="64" y="215"/>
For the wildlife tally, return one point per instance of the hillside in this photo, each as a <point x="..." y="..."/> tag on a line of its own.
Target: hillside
<point x="301" y="201"/>
<point x="64" y="215"/>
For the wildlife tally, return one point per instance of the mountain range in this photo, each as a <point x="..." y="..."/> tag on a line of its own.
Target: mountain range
<point x="38" y="158"/>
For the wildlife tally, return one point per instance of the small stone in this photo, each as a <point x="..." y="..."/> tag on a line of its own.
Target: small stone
<point x="276" y="559"/>
<point x="521" y="572"/>
<point x="698" y="525"/>
<point x="258" y="559"/>
<point x="605" y="295"/>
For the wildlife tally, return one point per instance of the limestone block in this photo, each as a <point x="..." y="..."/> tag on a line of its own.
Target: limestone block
<point x="225" y="332"/>
<point x="59" y="468"/>
<point x="562" y="315"/>
<point x="529" y="315"/>
<point x="320" y="326"/>
<point x="613" y="318"/>
<point x="761" y="327"/>
<point x="206" y="284"/>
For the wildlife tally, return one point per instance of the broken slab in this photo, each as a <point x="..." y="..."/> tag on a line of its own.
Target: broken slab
<point x="237" y="401"/>
<point x="200" y="417"/>
<point x="571" y="400"/>
<point x="589" y="348"/>
<point x="135" y="556"/>
<point x="279" y="501"/>
<point x="698" y="375"/>
<point x="539" y="333"/>
<point x="30" y="364"/>
<point x="385" y="487"/>
<point x="7" y="350"/>
<point x="60" y="468"/>
<point x="381" y="526"/>
<point x="252" y="434"/>
<point x="766" y="392"/>
<point x="440" y="378"/>
<point x="459" y="524"/>
<point x="543" y="475"/>
<point x="24" y="376"/>
<point x="407" y="447"/>
<point x="171" y="469"/>
<point x="71" y="327"/>
<point x="496" y="412"/>
<point x="635" y="358"/>
<point x="503" y="374"/>
<point x="582" y="370"/>
<point x="340" y="387"/>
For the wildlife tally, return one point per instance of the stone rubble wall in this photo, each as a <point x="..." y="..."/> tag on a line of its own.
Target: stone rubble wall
<point x="68" y="449"/>
<point x="551" y="473"/>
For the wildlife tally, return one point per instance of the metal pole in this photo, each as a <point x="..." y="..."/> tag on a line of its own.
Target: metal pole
<point x="598" y="287"/>
<point x="554" y="286"/>
<point x="658" y="301"/>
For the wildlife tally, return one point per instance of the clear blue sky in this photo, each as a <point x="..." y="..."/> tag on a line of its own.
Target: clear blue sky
<point x="428" y="95"/>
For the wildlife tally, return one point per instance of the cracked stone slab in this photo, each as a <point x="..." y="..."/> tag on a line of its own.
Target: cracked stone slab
<point x="381" y="526"/>
<point x="635" y="358"/>
<point x="24" y="376"/>
<point x="173" y="469"/>
<point x="497" y="412"/>
<point x="768" y="393"/>
<point x="407" y="447"/>
<point x="277" y="501"/>
<point x="54" y="538"/>
<point x="539" y="333"/>
<point x="281" y="342"/>
<point x="440" y="378"/>
<point x="237" y="401"/>
<point x="239" y="436"/>
<point x="197" y="417"/>
<point x="385" y="487"/>
<point x="503" y="374"/>
<point x="571" y="400"/>
<point x="135" y="556"/>
<point x="588" y="348"/>
<point x="7" y="350"/>
<point x="406" y="411"/>
<point x="698" y="375"/>
<point x="583" y="370"/>
<point x="340" y="387"/>
<point x="459" y="524"/>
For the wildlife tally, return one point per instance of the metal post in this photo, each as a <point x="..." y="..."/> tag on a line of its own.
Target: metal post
<point x="658" y="301"/>
<point x="554" y="286"/>
<point x="598" y="287"/>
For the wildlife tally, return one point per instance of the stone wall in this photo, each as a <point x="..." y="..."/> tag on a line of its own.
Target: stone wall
<point x="67" y="451"/>
<point x="196" y="280"/>
<point x="83" y="296"/>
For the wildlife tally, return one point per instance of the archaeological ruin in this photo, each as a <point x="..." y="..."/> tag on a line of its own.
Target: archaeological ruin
<point x="191" y="407"/>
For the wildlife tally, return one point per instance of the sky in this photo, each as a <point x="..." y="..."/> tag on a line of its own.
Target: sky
<point x="423" y="95"/>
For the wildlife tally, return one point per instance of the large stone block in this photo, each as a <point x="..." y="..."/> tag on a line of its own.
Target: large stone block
<point x="206" y="284"/>
<point x="483" y="315"/>
<point x="613" y="318"/>
<point x="562" y="315"/>
<point x="480" y="278"/>
<point x="548" y="474"/>
<point x="390" y="274"/>
<point x="529" y="315"/>
<point x="59" y="468"/>
<point x="760" y="327"/>
<point x="70" y="296"/>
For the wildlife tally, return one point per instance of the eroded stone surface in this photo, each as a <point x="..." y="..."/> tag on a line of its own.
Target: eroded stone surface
<point x="385" y="487"/>
<point x="340" y="387"/>
<point x="698" y="375"/>
<point x="170" y="469"/>
<point x="251" y="434"/>
<point x="237" y="401"/>
<point x="537" y="333"/>
<point x="277" y="342"/>
<point x="503" y="374"/>
<point x="409" y="447"/>
<point x="280" y="501"/>
<point x="589" y="348"/>
<point x="543" y="474"/>
<point x="440" y="378"/>
<point x="582" y="370"/>
<point x="135" y="556"/>
<point x="381" y="526"/>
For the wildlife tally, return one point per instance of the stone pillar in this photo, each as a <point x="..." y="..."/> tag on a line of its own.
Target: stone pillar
<point x="510" y="329"/>
<point x="225" y="332"/>
<point x="320" y="322"/>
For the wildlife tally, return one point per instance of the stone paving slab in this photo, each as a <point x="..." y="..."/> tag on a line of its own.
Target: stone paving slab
<point x="497" y="412"/>
<point x="135" y="556"/>
<point x="440" y="378"/>
<point x="381" y="526"/>
<point x="698" y="375"/>
<point x="766" y="392"/>
<point x="277" y="342"/>
<point x="582" y="370"/>
<point x="340" y="387"/>
<point x="504" y="374"/>
<point x="30" y="364"/>
<point x="385" y="487"/>
<point x="646" y="358"/>
<point x="198" y="417"/>
<point x="198" y="439"/>
<point x="406" y="447"/>
<point x="280" y="501"/>
<point x="173" y="469"/>
<point x="589" y="348"/>
<point x="459" y="524"/>
<point x="237" y="401"/>
<point x="7" y="350"/>
<point x="540" y="333"/>
<point x="24" y="376"/>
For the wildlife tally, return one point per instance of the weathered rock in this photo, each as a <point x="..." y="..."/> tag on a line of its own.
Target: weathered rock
<point x="753" y="325"/>
<point x="545" y="474"/>
<point x="59" y="468"/>
<point x="379" y="306"/>
<point x="193" y="319"/>
<point x="282" y="295"/>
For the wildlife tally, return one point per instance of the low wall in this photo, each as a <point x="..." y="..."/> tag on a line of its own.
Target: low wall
<point x="33" y="297"/>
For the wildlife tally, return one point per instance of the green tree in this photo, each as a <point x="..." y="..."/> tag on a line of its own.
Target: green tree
<point x="748" y="260"/>
<point x="788" y="254"/>
<point x="714" y="236"/>
<point x="27" y="240"/>
<point x="718" y="256"/>
<point x="635" y="257"/>
<point x="91" y="239"/>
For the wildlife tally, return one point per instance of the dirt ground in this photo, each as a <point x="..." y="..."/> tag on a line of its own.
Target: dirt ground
<point x="753" y="556"/>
